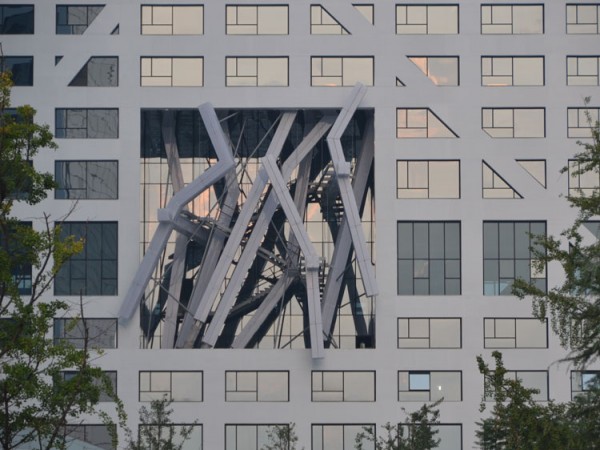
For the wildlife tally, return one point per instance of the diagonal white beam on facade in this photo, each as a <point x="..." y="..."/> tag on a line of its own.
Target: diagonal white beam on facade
<point x="178" y="201"/>
<point x="264" y="310"/>
<point x="343" y="243"/>
<point x="263" y="220"/>
<point x="342" y="170"/>
<point x="218" y="274"/>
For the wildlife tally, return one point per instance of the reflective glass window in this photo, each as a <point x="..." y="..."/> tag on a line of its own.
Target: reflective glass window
<point x="16" y="19"/>
<point x="512" y="71"/>
<point x="342" y="70"/>
<point x="512" y="19"/>
<point x="583" y="381"/>
<point x="101" y="333"/>
<point x="367" y="11"/>
<point x="583" y="18"/>
<point x="428" y="179"/>
<point x="583" y="70"/>
<point x="420" y="123"/>
<point x="257" y="19"/>
<point x="425" y="386"/>
<point x="429" y="332"/>
<point x="441" y="70"/>
<point x="171" y="71"/>
<point x="99" y="436"/>
<point x="20" y="67"/>
<point x="494" y="186"/>
<point x="426" y="19"/>
<point x="515" y="333"/>
<point x="175" y="386"/>
<point x="86" y="123"/>
<point x="343" y="386"/>
<point x="98" y="71"/>
<point x="257" y="71"/>
<point x="75" y="19"/>
<point x="340" y="436"/>
<point x="322" y="22"/>
<point x="86" y="179"/>
<point x="514" y="122"/>
<point x="251" y="437"/>
<point x="173" y="19"/>
<point x="580" y="121"/>
<point x="256" y="386"/>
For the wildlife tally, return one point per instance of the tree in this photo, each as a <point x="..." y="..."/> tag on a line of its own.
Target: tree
<point x="416" y="433"/>
<point x="281" y="437"/>
<point x="157" y="431"/>
<point x="574" y="306"/>
<point x="36" y="400"/>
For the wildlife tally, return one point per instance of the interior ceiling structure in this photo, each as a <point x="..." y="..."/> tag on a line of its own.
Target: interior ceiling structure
<point x="270" y="239"/>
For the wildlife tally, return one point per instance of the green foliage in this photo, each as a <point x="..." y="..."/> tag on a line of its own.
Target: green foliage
<point x="281" y="437"/>
<point x="415" y="433"/>
<point x="36" y="401"/>
<point x="574" y="306"/>
<point x="157" y="431"/>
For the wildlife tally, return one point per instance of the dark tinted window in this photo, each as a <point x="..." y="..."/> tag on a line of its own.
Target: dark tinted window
<point x="21" y="68"/>
<point x="75" y="19"/>
<point x="16" y="19"/>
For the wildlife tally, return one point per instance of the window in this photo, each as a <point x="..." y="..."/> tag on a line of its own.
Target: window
<point x="88" y="123"/>
<point x="174" y="431"/>
<point x="450" y="435"/>
<point x="180" y="71"/>
<point x="530" y="379"/>
<point x="75" y="19"/>
<point x="515" y="333"/>
<point x="580" y="121"/>
<point x="429" y="386"/>
<point x="582" y="183"/>
<point x="581" y="382"/>
<point x="86" y="179"/>
<point x="254" y="71"/>
<point x="176" y="386"/>
<point x="507" y="255"/>
<point x="346" y="386"/>
<point x="426" y="19"/>
<point x="102" y="333"/>
<point x="420" y="123"/>
<point x="322" y="22"/>
<point x="20" y="67"/>
<point x="536" y="168"/>
<point x="514" y="122"/>
<point x="583" y="18"/>
<point x="109" y="375"/>
<point x="16" y="19"/>
<point x="250" y="437"/>
<point x="583" y="70"/>
<point x="19" y="250"/>
<point x="429" y="332"/>
<point x="428" y="179"/>
<point x="99" y="71"/>
<point x="441" y="70"/>
<point x="100" y="436"/>
<point x="512" y="71"/>
<point x="340" y="436"/>
<point x="512" y="19"/>
<point x="494" y="186"/>
<point x="94" y="270"/>
<point x="341" y="71"/>
<point x="254" y="386"/>
<point x="257" y="19"/>
<point x="428" y="258"/>
<point x="367" y="11"/>
<point x="167" y="19"/>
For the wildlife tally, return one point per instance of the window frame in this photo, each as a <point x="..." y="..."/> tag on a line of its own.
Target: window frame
<point x="515" y="337"/>
<point x="343" y="425"/>
<point x="577" y="5"/>
<point x="429" y="133"/>
<point x="512" y="74"/>
<point x="150" y="60"/>
<point x="579" y="381"/>
<point x="437" y="56"/>
<point x="57" y="188"/>
<point x="256" y="427"/>
<point x="112" y="375"/>
<point x="512" y="6"/>
<point x="30" y="59"/>
<point x="166" y="5"/>
<point x="57" y="111"/>
<point x="257" y="24"/>
<point x="493" y="109"/>
<point x="313" y="61"/>
<point x="429" y="374"/>
<point x="577" y="58"/>
<point x="578" y="191"/>
<point x="17" y="5"/>
<point x="257" y="373"/>
<point x="429" y="178"/>
<point x="510" y="372"/>
<point x="427" y="6"/>
<point x="588" y="126"/>
<point x="343" y="391"/>
<point x="85" y="427"/>
<point x="170" y="392"/>
<point x="258" y="75"/>
<point x="445" y="424"/>
<point x="65" y="321"/>
<point x="429" y="319"/>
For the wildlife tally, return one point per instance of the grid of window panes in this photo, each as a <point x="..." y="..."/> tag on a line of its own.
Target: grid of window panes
<point x="98" y="71"/>
<point x="508" y="255"/>
<point x="429" y="386"/>
<point x="108" y="376"/>
<point x="100" y="333"/>
<point x="341" y="436"/>
<point x="582" y="381"/>
<point x="428" y="255"/>
<point x="86" y="123"/>
<point x="86" y="179"/>
<point x="251" y="437"/>
<point x="75" y="19"/>
<point x="96" y="435"/>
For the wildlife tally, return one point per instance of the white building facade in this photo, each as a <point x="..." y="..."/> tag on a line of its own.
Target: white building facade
<point x="396" y="155"/>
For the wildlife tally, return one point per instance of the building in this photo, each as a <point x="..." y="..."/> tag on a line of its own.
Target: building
<point x="458" y="114"/>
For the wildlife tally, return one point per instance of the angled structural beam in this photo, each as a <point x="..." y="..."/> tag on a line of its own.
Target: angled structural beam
<point x="342" y="170"/>
<point x="167" y="215"/>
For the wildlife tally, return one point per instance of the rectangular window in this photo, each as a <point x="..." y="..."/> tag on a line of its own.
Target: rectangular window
<point x="172" y="20"/>
<point x="94" y="270"/>
<point x="583" y="18"/>
<point x="429" y="332"/>
<point x="98" y="71"/>
<point x="582" y="183"/>
<point x="507" y="255"/>
<point x="86" y="123"/>
<point x="428" y="258"/>
<point x="530" y="379"/>
<point x="16" y="19"/>
<point x="257" y="386"/>
<point x="175" y="386"/>
<point x="100" y="436"/>
<point x="583" y="70"/>
<point x="75" y="19"/>
<point x="428" y="179"/>
<point x="583" y="381"/>
<point x="343" y="386"/>
<point x="441" y="70"/>
<point x="580" y="121"/>
<point x="111" y="375"/>
<point x="322" y="22"/>
<point x="166" y="71"/>
<point x="512" y="19"/>
<point x="101" y="333"/>
<point x="257" y="19"/>
<point x="429" y="386"/>
<point x="251" y="437"/>
<point x="174" y="434"/>
<point x="426" y="19"/>
<point x="20" y="67"/>
<point x="512" y="71"/>
<point x="342" y="70"/>
<point x="449" y="434"/>
<point x="86" y="180"/>
<point x="514" y="122"/>
<point x="340" y="436"/>
<point x="255" y="71"/>
<point x="420" y="123"/>
<point x="515" y="333"/>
